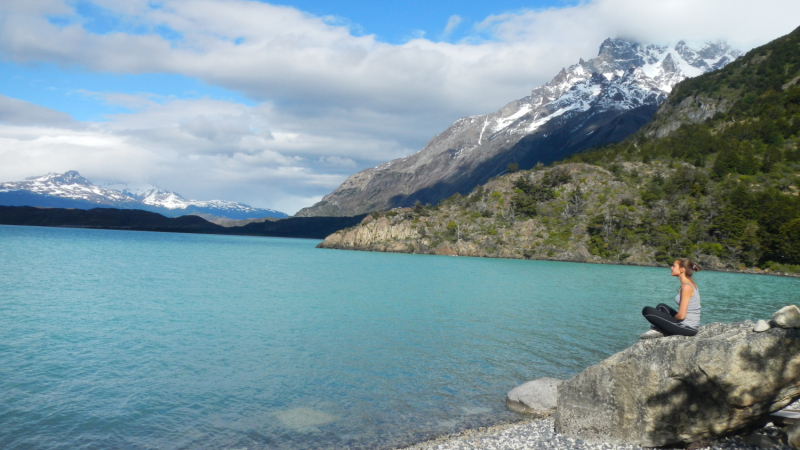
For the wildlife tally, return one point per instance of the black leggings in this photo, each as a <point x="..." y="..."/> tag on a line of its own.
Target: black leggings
<point x="663" y="319"/>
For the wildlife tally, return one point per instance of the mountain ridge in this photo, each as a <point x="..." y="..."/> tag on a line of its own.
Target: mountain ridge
<point x="140" y="220"/>
<point x="580" y="100"/>
<point x="71" y="190"/>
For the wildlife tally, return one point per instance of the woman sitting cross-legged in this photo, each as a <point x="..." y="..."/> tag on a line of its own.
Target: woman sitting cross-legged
<point x="686" y="320"/>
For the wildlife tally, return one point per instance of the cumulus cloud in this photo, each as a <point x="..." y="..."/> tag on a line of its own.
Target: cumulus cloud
<point x="327" y="102"/>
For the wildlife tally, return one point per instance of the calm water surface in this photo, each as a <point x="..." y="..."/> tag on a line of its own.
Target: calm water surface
<point x="133" y="340"/>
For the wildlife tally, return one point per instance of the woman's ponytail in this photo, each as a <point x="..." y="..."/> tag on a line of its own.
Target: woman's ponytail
<point x="689" y="266"/>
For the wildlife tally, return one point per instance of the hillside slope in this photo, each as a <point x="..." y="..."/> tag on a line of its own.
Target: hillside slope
<point x="721" y="188"/>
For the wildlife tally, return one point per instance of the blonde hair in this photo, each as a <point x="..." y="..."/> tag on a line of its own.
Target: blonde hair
<point x="688" y="266"/>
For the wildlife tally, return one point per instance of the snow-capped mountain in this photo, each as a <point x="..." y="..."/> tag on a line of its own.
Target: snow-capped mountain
<point x="71" y="190"/>
<point x="588" y="104"/>
<point x="155" y="196"/>
<point x="69" y="185"/>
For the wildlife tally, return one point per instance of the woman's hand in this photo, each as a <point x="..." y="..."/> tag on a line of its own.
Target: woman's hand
<point x="686" y="294"/>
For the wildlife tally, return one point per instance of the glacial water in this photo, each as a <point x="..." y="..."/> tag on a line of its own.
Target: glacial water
<point x="133" y="340"/>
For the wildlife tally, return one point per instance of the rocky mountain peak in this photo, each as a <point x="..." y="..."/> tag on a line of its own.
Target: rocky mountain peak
<point x="690" y="56"/>
<point x="71" y="177"/>
<point x="617" y="54"/>
<point x="713" y="50"/>
<point x="668" y="65"/>
<point x="68" y="177"/>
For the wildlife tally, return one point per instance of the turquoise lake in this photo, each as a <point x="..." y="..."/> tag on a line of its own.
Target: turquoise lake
<point x="133" y="340"/>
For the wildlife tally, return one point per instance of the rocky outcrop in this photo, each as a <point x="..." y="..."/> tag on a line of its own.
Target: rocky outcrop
<point x="693" y="109"/>
<point x="374" y="235"/>
<point x="679" y="390"/>
<point x="537" y="397"/>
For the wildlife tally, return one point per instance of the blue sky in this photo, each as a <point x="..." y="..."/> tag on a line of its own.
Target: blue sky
<point x="63" y="87"/>
<point x="396" y="22"/>
<point x="275" y="104"/>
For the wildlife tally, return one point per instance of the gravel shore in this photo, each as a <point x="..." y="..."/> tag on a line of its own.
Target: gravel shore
<point x="539" y="435"/>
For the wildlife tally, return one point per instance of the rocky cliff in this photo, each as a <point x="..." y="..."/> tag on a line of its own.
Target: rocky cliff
<point x="588" y="104"/>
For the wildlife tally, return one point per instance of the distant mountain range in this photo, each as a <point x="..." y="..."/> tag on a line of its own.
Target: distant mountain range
<point x="589" y="104"/>
<point x="71" y="190"/>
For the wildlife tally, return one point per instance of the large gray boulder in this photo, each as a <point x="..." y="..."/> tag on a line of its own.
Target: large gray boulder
<point x="679" y="390"/>
<point x="537" y="397"/>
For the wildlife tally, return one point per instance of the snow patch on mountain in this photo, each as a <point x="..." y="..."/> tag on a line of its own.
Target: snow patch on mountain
<point x="67" y="185"/>
<point x="625" y="75"/>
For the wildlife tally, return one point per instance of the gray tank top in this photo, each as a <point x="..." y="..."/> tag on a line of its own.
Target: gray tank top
<point x="693" y="312"/>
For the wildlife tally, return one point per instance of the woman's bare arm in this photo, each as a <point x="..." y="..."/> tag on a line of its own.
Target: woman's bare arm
<point x="686" y="294"/>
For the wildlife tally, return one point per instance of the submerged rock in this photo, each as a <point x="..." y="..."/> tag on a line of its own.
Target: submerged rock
<point x="536" y="397"/>
<point x="303" y="419"/>
<point x="679" y="390"/>
<point x="787" y="317"/>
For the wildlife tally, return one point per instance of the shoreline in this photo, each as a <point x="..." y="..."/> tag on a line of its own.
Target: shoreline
<point x="539" y="434"/>
<point x="747" y="271"/>
<point x="139" y="220"/>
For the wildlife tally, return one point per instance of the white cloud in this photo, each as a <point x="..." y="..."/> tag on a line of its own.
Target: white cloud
<point x="336" y="161"/>
<point x="203" y="149"/>
<point x="452" y="23"/>
<point x="329" y="102"/>
<point x="17" y="112"/>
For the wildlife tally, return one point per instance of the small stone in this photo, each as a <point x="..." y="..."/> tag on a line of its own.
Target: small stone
<point x="536" y="397"/>
<point x="651" y="334"/>
<point x="793" y="435"/>
<point x="759" y="440"/>
<point x="761" y="326"/>
<point x="787" y="317"/>
<point x="698" y="445"/>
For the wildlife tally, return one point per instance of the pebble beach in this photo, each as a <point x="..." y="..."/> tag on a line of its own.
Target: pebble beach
<point x="539" y="435"/>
